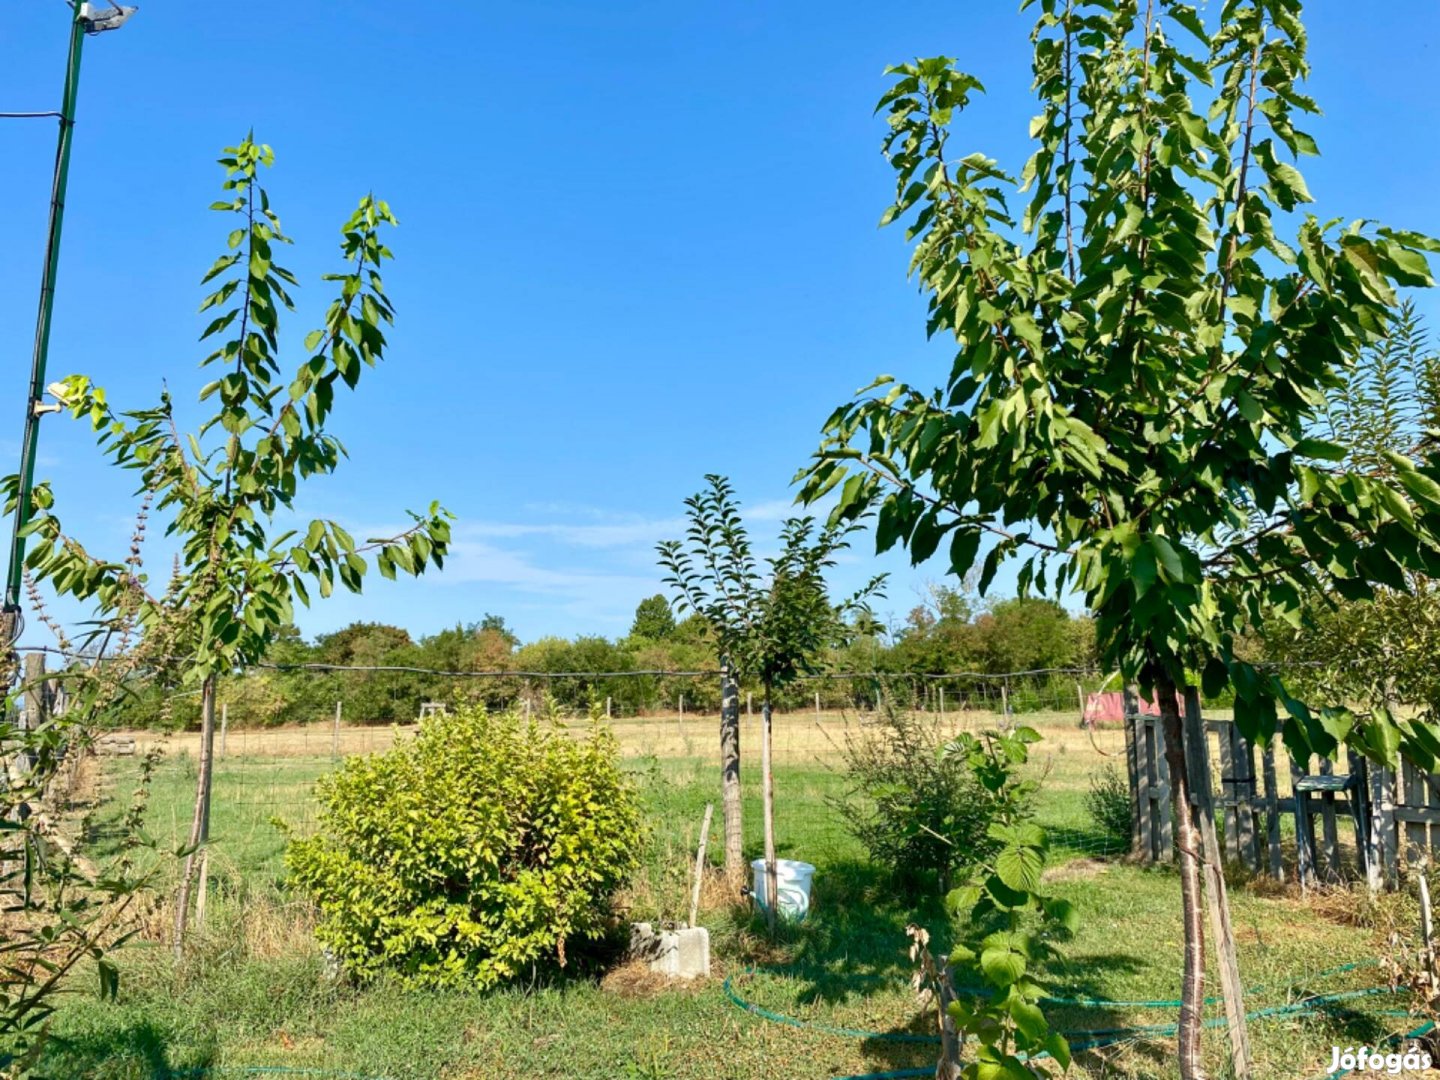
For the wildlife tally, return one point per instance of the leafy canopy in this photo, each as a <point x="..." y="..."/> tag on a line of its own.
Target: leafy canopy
<point x="223" y="486"/>
<point x="1140" y="356"/>
<point x="771" y="626"/>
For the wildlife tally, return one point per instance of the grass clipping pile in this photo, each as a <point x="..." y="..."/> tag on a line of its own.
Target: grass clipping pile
<point x="472" y="854"/>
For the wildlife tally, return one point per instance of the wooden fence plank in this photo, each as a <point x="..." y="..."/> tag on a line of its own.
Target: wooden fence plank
<point x="1272" y="813"/>
<point x="1304" y="832"/>
<point x="1139" y="841"/>
<point x="1229" y="794"/>
<point x="1162" y="801"/>
<point x="1244" y="755"/>
<point x="1416" y="842"/>
<point x="1329" y="832"/>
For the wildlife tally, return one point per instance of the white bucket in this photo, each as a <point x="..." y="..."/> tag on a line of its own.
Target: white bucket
<point x="792" y="887"/>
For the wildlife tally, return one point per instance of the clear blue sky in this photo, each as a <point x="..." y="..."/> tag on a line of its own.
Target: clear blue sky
<point x="638" y="243"/>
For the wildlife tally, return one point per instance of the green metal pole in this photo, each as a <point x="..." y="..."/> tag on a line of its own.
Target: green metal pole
<point x="47" y="306"/>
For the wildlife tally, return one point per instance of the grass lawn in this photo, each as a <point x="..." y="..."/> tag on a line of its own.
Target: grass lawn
<point x="253" y="992"/>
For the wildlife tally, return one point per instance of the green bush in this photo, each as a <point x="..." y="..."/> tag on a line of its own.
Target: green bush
<point x="471" y="854"/>
<point x="920" y="807"/>
<point x="1108" y="802"/>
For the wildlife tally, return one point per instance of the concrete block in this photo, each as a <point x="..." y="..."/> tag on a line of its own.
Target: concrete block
<point x="679" y="954"/>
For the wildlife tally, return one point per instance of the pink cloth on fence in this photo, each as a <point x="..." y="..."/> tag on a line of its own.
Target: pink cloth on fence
<point x="1111" y="706"/>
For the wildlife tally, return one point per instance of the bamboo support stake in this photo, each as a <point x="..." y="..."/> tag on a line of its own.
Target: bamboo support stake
<point x="1427" y="931"/>
<point x="767" y="791"/>
<point x="700" y="863"/>
<point x="1197" y="753"/>
<point x="204" y="887"/>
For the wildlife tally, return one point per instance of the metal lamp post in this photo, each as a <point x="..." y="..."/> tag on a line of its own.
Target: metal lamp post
<point x="86" y="19"/>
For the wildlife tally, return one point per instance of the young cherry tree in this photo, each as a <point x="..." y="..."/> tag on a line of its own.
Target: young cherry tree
<point x="1140" y="360"/>
<point x="770" y="625"/>
<point x="229" y="488"/>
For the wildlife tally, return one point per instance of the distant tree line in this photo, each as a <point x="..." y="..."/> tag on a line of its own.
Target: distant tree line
<point x="951" y="631"/>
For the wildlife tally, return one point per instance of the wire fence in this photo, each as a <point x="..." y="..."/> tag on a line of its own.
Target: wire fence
<point x="266" y="775"/>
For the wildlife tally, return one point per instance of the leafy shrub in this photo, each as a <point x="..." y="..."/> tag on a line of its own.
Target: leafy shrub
<point x="471" y="854"/>
<point x="1007" y="930"/>
<point x="1108" y="803"/>
<point x="919" y="806"/>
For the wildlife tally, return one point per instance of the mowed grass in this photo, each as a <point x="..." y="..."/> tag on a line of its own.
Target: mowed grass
<point x="253" y="992"/>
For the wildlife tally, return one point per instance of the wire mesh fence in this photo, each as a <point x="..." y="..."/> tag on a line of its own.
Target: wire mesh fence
<point x="265" y="776"/>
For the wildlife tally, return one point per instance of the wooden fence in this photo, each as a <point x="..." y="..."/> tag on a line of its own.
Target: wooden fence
<point x="1367" y="818"/>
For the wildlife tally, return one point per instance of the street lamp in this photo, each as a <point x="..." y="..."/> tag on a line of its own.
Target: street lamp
<point x="91" y="19"/>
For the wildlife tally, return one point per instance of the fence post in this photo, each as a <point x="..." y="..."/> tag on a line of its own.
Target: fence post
<point x="335" y="737"/>
<point x="730" y="804"/>
<point x="1328" y="830"/>
<point x="817" y="707"/>
<point x="1304" y="831"/>
<point x="1139" y="820"/>
<point x="700" y="863"/>
<point x="224" y="725"/>
<point x="1272" y="811"/>
<point x="607" y="708"/>
<point x="1381" y="869"/>
<point x="1197" y="758"/>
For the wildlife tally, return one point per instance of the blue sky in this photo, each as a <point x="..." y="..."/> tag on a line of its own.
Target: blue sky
<point x="638" y="244"/>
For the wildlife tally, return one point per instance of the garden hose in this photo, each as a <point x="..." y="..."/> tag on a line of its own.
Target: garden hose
<point x="1087" y="1039"/>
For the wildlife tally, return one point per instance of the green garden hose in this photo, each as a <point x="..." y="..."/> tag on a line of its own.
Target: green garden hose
<point x="1080" y="1040"/>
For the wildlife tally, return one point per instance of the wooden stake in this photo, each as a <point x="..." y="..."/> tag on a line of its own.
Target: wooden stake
<point x="749" y="703"/>
<point x="1004" y="703"/>
<point x="204" y="888"/>
<point x="1197" y="755"/>
<point x="700" y="862"/>
<point x="224" y="725"/>
<point x="1427" y="930"/>
<point x="942" y="703"/>
<point x="817" y="707"/>
<point x="767" y="791"/>
<point x="335" y="738"/>
<point x="607" y="708"/>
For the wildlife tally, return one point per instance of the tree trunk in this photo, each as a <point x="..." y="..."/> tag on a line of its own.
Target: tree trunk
<point x="1187" y="846"/>
<point x="772" y="885"/>
<point x="200" y="824"/>
<point x="730" y="776"/>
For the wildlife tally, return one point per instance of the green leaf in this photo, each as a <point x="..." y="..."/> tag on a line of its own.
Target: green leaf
<point x="1064" y="913"/>
<point x="1169" y="558"/>
<point x="1020" y="868"/>
<point x="1322" y="449"/>
<point x="1028" y="1018"/>
<point x="1002" y="966"/>
<point x="1058" y="1048"/>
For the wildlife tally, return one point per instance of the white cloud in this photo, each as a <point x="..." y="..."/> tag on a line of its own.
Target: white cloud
<point x="475" y="560"/>
<point x="608" y="535"/>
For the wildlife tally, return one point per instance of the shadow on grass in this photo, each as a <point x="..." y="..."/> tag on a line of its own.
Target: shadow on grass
<point x="138" y="1051"/>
